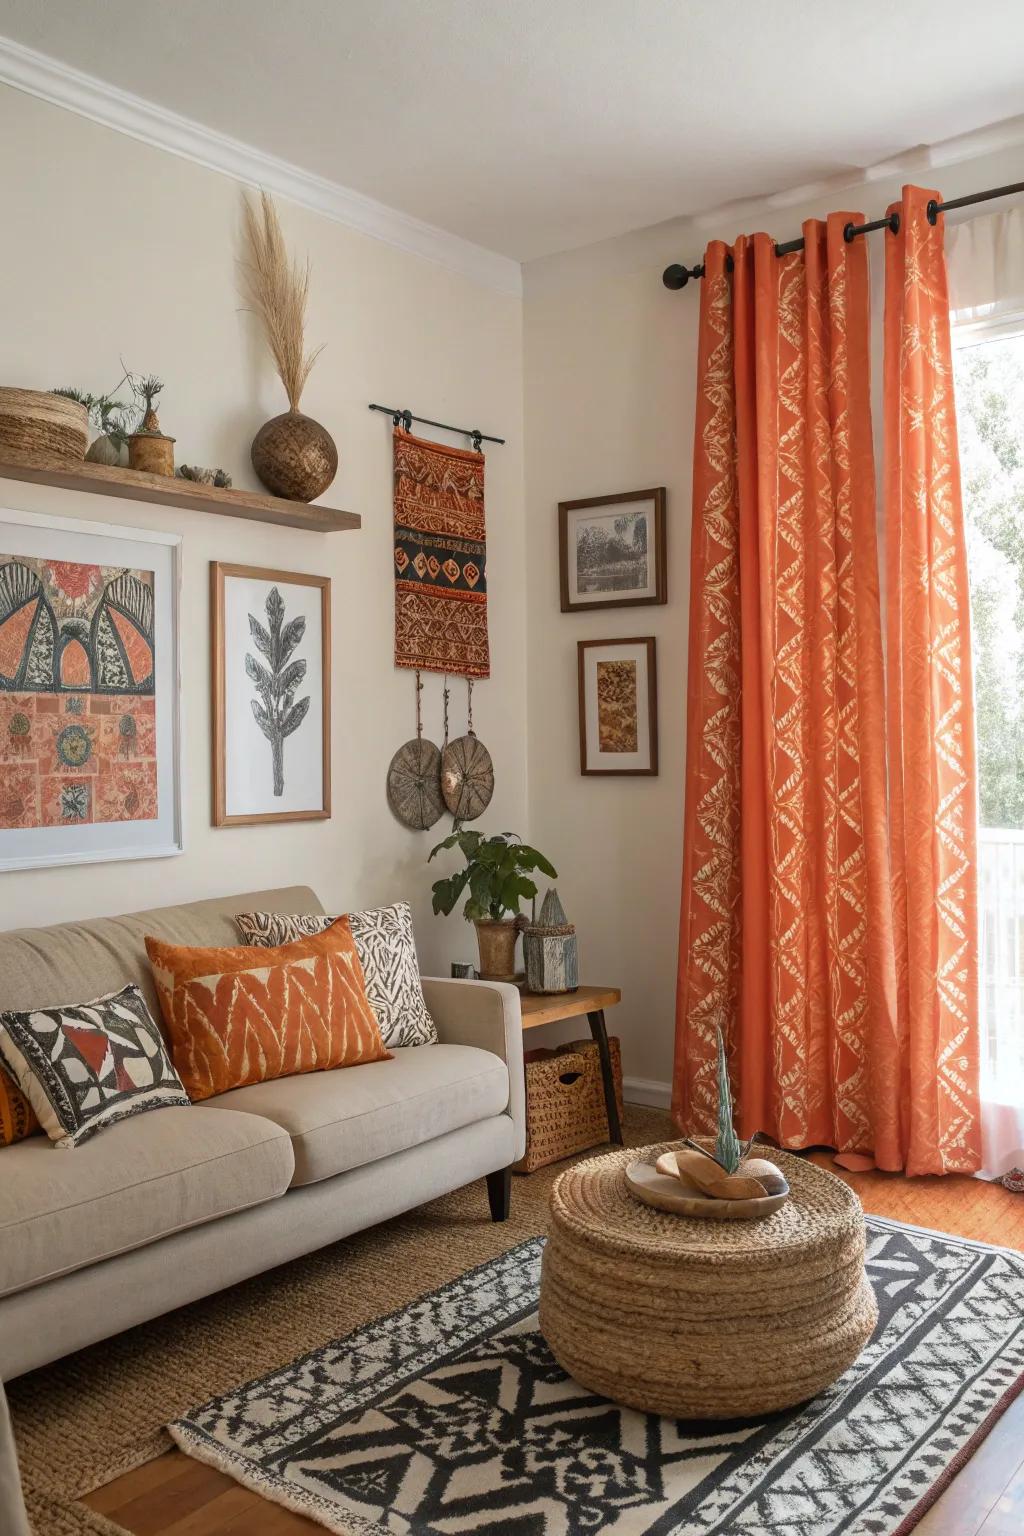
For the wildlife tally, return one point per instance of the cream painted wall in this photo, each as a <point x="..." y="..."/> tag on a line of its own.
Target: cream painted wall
<point x="610" y="358"/>
<point x="114" y="249"/>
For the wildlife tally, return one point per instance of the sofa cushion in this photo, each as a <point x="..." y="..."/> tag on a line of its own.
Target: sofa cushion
<point x="238" y="1016"/>
<point x="343" y="1119"/>
<point x="141" y="1180"/>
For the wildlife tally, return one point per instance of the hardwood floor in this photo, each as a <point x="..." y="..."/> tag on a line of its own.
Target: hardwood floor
<point x="177" y="1496"/>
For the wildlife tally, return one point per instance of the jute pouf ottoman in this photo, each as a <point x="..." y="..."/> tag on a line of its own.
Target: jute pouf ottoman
<point x="704" y="1319"/>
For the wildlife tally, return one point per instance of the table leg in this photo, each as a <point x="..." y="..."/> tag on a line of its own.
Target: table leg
<point x="600" y="1034"/>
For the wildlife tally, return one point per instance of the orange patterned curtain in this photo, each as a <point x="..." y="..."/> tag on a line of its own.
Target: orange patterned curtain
<point x="931" y="707"/>
<point x="786" y="930"/>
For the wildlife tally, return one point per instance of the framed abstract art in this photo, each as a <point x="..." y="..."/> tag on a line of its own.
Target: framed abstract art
<point x="90" y="729"/>
<point x="618" y="695"/>
<point x="611" y="551"/>
<point x="270" y="637"/>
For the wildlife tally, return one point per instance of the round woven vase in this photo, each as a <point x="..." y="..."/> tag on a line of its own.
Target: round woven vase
<point x="294" y="456"/>
<point x="698" y="1319"/>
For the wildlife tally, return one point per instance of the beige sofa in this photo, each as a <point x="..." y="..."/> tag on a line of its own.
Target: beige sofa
<point x="174" y="1204"/>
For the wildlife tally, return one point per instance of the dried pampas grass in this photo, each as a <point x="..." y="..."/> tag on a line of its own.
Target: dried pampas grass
<point x="277" y="289"/>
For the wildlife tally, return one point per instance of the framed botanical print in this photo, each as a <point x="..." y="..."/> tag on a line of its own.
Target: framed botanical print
<point x="271" y="652"/>
<point x="611" y="551"/>
<point x="90" y="726"/>
<point x="618" y="689"/>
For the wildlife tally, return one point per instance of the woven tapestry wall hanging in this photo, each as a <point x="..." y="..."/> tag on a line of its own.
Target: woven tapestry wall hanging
<point x="440" y="558"/>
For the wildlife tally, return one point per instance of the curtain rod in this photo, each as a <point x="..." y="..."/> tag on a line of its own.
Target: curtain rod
<point x="677" y="276"/>
<point x="406" y="419"/>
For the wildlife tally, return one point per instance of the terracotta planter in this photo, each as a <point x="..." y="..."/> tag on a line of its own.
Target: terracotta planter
<point x="294" y="456"/>
<point x="497" y="943"/>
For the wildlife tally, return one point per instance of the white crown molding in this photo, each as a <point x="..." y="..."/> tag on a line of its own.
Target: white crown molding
<point x="55" y="82"/>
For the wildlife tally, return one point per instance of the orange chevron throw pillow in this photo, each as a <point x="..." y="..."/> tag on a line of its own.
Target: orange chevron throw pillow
<point x="240" y="1016"/>
<point x="17" y="1117"/>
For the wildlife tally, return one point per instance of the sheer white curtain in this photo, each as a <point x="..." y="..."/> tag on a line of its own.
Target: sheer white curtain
<point x="986" y="282"/>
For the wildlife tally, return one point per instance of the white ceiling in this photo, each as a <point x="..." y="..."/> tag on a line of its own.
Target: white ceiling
<point x="532" y="126"/>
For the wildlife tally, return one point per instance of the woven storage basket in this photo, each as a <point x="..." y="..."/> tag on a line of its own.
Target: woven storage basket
<point x="565" y="1108"/>
<point x="36" y="425"/>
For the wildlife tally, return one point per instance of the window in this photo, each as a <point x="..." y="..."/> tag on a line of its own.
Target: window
<point x="989" y="374"/>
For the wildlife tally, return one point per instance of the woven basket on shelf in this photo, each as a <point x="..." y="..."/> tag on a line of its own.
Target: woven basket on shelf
<point x="36" y="425"/>
<point x="565" y="1108"/>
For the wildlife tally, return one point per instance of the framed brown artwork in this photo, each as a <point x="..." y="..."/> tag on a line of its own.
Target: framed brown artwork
<point x="618" y="688"/>
<point x="611" y="551"/>
<point x="270" y="646"/>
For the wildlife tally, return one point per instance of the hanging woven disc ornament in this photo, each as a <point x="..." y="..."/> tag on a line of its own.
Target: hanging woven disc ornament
<point x="467" y="772"/>
<point x="414" y="779"/>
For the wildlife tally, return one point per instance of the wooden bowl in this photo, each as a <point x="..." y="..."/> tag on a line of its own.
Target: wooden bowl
<point x="683" y="1198"/>
<point x="37" y="425"/>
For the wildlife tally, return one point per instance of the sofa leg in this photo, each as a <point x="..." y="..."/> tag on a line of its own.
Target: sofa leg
<point x="499" y="1193"/>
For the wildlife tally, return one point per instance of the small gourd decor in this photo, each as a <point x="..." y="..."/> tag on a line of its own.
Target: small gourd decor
<point x="293" y="455"/>
<point x="725" y="1171"/>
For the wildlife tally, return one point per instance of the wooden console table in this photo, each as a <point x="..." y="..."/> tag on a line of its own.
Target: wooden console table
<point x="548" y="1008"/>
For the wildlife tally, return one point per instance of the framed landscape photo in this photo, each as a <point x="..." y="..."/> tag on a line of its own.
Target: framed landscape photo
<point x="618" y="689"/>
<point x="270" y="643"/>
<point x="611" y="551"/>
<point x="90" y="684"/>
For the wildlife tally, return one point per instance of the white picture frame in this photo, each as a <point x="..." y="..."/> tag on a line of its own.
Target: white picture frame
<point x="26" y="840"/>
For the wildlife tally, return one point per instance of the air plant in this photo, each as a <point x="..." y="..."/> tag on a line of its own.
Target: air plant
<point x="145" y="388"/>
<point x="728" y="1151"/>
<point x="106" y="413"/>
<point x="277" y="289"/>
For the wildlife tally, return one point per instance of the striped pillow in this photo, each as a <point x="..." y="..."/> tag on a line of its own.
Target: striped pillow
<point x="239" y="1016"/>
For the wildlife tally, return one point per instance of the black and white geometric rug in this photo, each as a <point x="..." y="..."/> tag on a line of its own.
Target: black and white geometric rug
<point x="451" y="1416"/>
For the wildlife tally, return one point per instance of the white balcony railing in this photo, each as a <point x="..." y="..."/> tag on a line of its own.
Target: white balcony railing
<point x="1001" y="930"/>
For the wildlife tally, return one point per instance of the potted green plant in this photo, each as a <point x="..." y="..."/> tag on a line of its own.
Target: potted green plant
<point x="497" y="872"/>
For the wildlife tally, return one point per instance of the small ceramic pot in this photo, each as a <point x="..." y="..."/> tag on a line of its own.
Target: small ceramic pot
<point x="151" y="452"/>
<point x="294" y="456"/>
<point x="497" y="943"/>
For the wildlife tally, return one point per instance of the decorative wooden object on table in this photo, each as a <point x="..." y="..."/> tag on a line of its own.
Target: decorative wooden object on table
<point x="678" y="1183"/>
<point x="543" y="1008"/>
<point x="256" y="676"/>
<point x="37" y="424"/>
<point x="703" y="1319"/>
<point x="550" y="951"/>
<point x="108" y="480"/>
<point x="618" y="704"/>
<point x="611" y="551"/>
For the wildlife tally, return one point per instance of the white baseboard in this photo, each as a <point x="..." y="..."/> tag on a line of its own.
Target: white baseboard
<point x="648" y="1091"/>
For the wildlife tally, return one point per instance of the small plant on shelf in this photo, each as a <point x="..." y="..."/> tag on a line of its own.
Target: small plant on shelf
<point x="498" y="874"/>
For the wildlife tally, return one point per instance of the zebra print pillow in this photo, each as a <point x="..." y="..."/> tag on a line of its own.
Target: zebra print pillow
<point x="387" y="953"/>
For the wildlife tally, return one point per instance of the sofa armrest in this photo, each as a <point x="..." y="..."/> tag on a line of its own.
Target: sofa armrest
<point x="486" y="1014"/>
<point x="13" y="1520"/>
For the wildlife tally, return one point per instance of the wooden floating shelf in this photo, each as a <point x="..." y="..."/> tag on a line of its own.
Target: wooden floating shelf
<point x="166" y="491"/>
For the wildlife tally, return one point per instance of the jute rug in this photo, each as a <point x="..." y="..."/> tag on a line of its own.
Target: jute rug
<point x="451" y="1415"/>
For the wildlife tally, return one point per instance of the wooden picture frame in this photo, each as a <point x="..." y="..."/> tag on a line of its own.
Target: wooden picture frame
<point x="635" y="583"/>
<point x="635" y="752"/>
<point x="249" y="763"/>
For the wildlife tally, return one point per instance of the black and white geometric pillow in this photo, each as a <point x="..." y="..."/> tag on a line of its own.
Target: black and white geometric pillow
<point x="387" y="952"/>
<point x="88" y="1065"/>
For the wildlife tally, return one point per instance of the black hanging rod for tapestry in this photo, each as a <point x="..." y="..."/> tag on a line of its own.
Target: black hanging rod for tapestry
<point x="406" y="419"/>
<point x="677" y="276"/>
